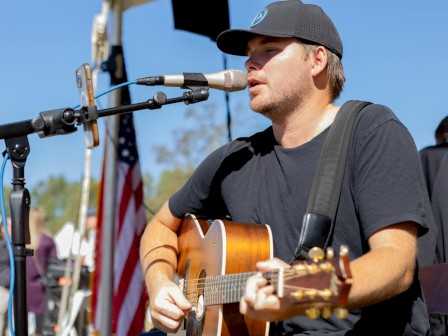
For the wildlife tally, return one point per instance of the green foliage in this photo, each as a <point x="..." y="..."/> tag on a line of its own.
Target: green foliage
<point x="201" y="134"/>
<point x="168" y="183"/>
<point x="61" y="200"/>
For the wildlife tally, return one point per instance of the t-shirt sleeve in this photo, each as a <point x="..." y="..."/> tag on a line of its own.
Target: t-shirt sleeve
<point x="387" y="176"/>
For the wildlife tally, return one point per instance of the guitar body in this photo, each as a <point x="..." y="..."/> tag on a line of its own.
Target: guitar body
<point x="219" y="248"/>
<point x="216" y="259"/>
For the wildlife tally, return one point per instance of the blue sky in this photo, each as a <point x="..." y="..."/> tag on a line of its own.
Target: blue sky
<point x="395" y="53"/>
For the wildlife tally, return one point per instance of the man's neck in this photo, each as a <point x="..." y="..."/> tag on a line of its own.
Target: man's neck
<point x="304" y="125"/>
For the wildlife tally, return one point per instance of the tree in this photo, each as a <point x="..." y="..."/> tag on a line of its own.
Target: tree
<point x="61" y="200"/>
<point x="202" y="134"/>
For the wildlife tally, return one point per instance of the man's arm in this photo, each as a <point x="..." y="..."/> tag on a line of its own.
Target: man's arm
<point x="158" y="256"/>
<point x="384" y="272"/>
<point x="388" y="269"/>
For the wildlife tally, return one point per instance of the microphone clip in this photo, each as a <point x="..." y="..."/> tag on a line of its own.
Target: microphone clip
<point x="63" y="121"/>
<point x="197" y="94"/>
<point x="90" y="113"/>
<point x="55" y="122"/>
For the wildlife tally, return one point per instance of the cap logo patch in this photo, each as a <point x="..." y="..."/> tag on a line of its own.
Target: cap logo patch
<point x="260" y="17"/>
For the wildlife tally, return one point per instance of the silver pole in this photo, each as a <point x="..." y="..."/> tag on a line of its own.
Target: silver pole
<point x="110" y="189"/>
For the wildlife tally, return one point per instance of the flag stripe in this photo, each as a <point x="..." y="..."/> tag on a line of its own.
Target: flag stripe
<point x="125" y="199"/>
<point x="134" y="329"/>
<point x="126" y="319"/>
<point x="122" y="291"/>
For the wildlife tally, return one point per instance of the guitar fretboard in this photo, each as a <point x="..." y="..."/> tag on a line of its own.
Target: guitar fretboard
<point x="222" y="289"/>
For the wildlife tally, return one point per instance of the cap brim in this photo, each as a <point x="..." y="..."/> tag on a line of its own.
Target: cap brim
<point x="234" y="41"/>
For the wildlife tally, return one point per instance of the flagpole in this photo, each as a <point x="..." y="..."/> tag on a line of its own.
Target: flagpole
<point x="110" y="187"/>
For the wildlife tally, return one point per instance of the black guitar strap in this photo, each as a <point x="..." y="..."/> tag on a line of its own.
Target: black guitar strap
<point x="318" y="221"/>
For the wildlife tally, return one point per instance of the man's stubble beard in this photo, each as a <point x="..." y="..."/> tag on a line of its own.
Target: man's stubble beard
<point x="280" y="105"/>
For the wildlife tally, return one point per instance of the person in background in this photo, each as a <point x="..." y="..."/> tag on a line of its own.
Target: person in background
<point x="435" y="166"/>
<point x="294" y="72"/>
<point x="5" y="277"/>
<point x="433" y="159"/>
<point x="89" y="239"/>
<point x="36" y="266"/>
<point x="431" y="156"/>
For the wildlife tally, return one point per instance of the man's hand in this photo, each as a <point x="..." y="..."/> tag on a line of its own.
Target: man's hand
<point x="158" y="254"/>
<point x="259" y="300"/>
<point x="168" y="306"/>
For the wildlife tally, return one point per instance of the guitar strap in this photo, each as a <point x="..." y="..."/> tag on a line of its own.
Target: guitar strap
<point x="318" y="221"/>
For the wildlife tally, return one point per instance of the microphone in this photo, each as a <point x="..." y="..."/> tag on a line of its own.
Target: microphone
<point x="227" y="80"/>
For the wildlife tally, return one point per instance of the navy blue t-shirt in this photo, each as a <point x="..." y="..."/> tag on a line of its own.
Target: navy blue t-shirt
<point x="256" y="180"/>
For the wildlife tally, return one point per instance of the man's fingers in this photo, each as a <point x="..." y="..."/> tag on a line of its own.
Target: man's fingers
<point x="169" y="308"/>
<point x="182" y="303"/>
<point x="272" y="264"/>
<point x="243" y="306"/>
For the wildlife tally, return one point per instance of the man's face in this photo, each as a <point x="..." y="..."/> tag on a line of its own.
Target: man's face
<point x="91" y="222"/>
<point x="279" y="76"/>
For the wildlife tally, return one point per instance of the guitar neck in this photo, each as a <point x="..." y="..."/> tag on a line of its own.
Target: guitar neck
<point x="222" y="289"/>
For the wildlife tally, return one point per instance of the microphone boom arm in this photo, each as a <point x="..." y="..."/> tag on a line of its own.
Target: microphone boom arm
<point x="64" y="121"/>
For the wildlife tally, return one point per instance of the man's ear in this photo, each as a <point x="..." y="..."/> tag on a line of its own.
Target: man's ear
<point x="320" y="59"/>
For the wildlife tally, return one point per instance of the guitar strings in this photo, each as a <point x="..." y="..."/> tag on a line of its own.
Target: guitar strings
<point x="218" y="285"/>
<point x="216" y="289"/>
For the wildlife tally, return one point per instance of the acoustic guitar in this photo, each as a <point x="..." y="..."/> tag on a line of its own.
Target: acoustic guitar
<point x="215" y="260"/>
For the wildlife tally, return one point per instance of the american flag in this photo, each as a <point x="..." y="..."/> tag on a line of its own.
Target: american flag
<point x="128" y="305"/>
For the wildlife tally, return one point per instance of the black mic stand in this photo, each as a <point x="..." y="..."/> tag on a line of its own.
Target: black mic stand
<point x="18" y="149"/>
<point x="49" y="123"/>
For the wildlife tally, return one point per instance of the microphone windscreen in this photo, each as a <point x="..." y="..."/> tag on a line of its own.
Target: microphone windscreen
<point x="235" y="80"/>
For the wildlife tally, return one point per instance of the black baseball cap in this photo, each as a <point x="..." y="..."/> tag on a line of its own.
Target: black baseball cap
<point x="290" y="18"/>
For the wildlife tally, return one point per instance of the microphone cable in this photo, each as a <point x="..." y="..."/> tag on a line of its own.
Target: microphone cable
<point x="110" y="90"/>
